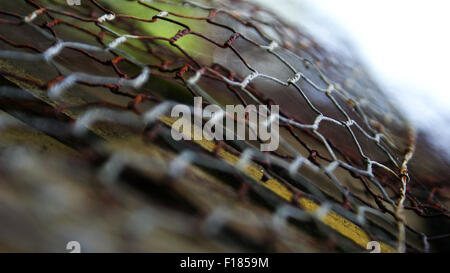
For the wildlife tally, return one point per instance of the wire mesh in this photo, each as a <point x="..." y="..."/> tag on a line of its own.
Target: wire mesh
<point x="117" y="68"/>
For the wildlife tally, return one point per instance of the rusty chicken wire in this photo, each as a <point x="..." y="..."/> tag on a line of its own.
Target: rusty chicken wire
<point x="335" y="121"/>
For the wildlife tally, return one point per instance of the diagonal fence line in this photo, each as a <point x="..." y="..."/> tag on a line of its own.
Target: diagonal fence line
<point x="60" y="85"/>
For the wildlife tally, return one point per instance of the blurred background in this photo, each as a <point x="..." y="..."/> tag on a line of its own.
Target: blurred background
<point x="402" y="43"/>
<point x="126" y="185"/>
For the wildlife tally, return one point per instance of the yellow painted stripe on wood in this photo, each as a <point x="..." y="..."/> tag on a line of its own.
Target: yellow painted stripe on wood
<point x="332" y="219"/>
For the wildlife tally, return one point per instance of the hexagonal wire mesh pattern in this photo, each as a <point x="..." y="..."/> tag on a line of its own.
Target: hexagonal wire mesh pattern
<point x="118" y="69"/>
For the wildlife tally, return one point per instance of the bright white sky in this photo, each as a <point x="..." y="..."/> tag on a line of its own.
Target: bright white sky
<point x="404" y="43"/>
